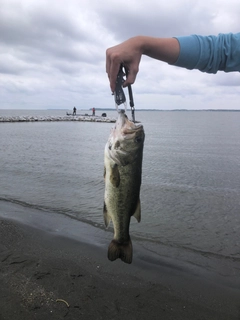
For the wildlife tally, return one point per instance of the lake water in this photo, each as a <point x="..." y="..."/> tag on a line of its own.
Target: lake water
<point x="190" y="191"/>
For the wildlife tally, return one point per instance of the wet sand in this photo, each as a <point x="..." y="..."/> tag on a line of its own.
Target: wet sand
<point x="45" y="275"/>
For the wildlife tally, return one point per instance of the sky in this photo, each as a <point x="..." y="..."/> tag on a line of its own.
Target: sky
<point x="52" y="53"/>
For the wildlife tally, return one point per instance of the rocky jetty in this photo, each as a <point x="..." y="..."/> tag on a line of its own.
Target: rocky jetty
<point x="60" y="118"/>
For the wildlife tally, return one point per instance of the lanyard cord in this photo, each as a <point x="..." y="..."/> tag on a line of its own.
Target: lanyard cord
<point x="131" y="102"/>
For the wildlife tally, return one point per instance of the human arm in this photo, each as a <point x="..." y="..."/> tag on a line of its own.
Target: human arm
<point x="129" y="55"/>
<point x="210" y="53"/>
<point x="205" y="53"/>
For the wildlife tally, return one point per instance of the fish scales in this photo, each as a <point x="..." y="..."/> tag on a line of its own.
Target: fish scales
<point x="122" y="173"/>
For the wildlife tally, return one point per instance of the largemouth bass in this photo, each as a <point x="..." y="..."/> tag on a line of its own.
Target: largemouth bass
<point x="122" y="172"/>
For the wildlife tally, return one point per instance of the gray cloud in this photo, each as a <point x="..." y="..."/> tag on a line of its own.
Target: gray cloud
<point x="153" y="18"/>
<point x="52" y="53"/>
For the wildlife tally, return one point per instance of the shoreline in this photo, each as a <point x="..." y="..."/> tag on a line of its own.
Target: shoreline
<point x="41" y="263"/>
<point x="207" y="264"/>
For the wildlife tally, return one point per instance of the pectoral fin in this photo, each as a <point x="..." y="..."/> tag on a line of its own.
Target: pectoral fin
<point x="115" y="176"/>
<point x="106" y="216"/>
<point x="137" y="213"/>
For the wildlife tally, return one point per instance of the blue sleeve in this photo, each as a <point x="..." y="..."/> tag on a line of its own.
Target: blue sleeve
<point x="210" y="53"/>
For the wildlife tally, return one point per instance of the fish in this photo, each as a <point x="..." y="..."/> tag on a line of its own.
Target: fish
<point x="123" y="155"/>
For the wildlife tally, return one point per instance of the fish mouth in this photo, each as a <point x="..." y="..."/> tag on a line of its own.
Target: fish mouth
<point x="125" y="140"/>
<point x="129" y="132"/>
<point x="126" y="127"/>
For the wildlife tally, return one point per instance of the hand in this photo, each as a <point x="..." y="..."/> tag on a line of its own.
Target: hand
<point x="127" y="54"/>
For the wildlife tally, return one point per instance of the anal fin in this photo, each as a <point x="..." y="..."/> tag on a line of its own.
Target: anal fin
<point x="137" y="213"/>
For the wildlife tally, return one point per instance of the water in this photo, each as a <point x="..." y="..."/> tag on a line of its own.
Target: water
<point x="190" y="191"/>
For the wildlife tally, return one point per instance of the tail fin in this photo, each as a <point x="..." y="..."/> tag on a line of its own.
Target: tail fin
<point x="120" y="250"/>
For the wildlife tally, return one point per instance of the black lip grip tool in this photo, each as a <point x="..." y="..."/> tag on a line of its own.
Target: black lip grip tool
<point x="119" y="94"/>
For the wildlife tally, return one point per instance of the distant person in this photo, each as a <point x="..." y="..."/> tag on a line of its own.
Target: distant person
<point x="93" y="111"/>
<point x="74" y="111"/>
<point x="205" y="53"/>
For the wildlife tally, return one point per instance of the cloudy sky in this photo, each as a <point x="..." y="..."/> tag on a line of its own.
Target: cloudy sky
<point x="52" y="53"/>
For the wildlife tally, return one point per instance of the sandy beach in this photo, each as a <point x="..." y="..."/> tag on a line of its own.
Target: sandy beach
<point x="45" y="275"/>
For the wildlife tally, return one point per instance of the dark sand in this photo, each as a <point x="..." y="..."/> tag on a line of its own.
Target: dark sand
<point x="37" y="267"/>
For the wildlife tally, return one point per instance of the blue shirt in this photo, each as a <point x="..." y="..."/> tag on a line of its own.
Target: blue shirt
<point x="210" y="53"/>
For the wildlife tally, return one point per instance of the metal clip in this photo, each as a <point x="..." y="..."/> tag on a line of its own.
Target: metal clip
<point x="119" y="94"/>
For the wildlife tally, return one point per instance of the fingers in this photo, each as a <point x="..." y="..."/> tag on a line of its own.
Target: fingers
<point x="131" y="73"/>
<point x="125" y="54"/>
<point x="112" y="67"/>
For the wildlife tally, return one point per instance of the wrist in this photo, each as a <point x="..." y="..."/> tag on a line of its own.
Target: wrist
<point x="142" y="44"/>
<point x="164" y="49"/>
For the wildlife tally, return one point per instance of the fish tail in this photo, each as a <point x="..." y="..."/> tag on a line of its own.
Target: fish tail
<point x="119" y="250"/>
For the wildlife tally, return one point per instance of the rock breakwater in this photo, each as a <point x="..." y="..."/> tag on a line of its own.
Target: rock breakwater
<point x="59" y="118"/>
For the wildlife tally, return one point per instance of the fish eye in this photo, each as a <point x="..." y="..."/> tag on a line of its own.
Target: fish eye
<point x="138" y="139"/>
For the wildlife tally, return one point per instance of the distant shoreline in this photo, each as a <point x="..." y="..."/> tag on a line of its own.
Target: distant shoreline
<point x="208" y="110"/>
<point x="113" y="109"/>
